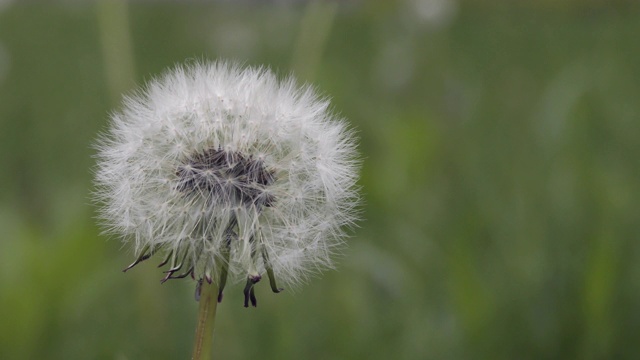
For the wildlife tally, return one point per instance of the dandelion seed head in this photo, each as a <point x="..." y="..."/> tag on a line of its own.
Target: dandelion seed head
<point x="228" y="171"/>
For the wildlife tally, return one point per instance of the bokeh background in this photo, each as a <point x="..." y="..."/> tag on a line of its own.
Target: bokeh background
<point x="501" y="179"/>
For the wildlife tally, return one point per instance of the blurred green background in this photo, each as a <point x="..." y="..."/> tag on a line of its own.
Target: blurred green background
<point x="501" y="179"/>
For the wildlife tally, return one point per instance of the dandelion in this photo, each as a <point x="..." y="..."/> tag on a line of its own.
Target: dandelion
<point x="229" y="175"/>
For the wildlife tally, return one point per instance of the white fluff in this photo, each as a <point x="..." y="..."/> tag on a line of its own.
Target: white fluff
<point x="195" y="108"/>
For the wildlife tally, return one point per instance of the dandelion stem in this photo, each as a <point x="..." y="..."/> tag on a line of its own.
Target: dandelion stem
<point x="202" y="348"/>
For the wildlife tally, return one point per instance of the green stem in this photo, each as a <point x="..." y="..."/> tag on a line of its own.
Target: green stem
<point x="117" y="46"/>
<point x="315" y="27"/>
<point x="202" y="348"/>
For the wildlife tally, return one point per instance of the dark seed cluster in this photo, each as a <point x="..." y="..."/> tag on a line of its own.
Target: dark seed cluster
<point x="222" y="177"/>
<point x="226" y="176"/>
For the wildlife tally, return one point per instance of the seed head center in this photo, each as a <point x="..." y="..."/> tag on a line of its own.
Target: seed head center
<point x="227" y="177"/>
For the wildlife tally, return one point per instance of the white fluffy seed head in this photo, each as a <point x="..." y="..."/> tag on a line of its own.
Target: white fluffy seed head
<point x="212" y="163"/>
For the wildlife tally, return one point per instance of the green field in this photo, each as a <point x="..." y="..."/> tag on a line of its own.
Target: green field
<point x="501" y="179"/>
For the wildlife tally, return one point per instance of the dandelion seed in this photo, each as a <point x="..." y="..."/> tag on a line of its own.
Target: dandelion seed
<point x="230" y="174"/>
